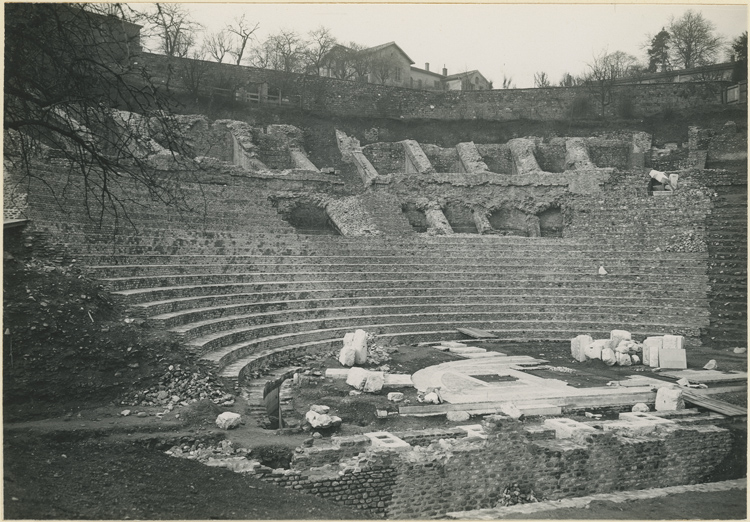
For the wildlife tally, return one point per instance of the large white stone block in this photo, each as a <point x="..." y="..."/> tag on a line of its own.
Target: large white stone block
<point x="651" y="347"/>
<point x="609" y="357"/>
<point x="357" y="377"/>
<point x="594" y="350"/>
<point x="355" y="348"/>
<point x="578" y="346"/>
<point x="617" y="336"/>
<point x="669" y="399"/>
<point x="374" y="382"/>
<point x="674" y="359"/>
<point x="673" y="342"/>
<point x="228" y="420"/>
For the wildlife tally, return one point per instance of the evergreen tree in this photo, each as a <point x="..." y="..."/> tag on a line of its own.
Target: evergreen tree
<point x="658" y="53"/>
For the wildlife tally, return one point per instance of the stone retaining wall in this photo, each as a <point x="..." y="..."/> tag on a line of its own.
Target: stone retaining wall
<point x="453" y="474"/>
<point x="350" y="98"/>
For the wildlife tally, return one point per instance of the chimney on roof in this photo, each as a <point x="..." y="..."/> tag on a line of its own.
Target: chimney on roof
<point x="445" y="71"/>
<point x="427" y="66"/>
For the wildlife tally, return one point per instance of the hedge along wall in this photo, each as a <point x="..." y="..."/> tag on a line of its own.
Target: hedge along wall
<point x="456" y="474"/>
<point x="348" y="98"/>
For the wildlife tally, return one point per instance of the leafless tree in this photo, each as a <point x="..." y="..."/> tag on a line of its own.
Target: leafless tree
<point x="541" y="79"/>
<point x="384" y="68"/>
<point x="604" y="69"/>
<point x="693" y="40"/>
<point x="174" y="29"/>
<point x="319" y="44"/>
<point x="360" y="60"/>
<point x="217" y="45"/>
<point x="568" y="80"/>
<point x="73" y="91"/>
<point x="243" y="31"/>
<point x="282" y="51"/>
<point x="508" y="82"/>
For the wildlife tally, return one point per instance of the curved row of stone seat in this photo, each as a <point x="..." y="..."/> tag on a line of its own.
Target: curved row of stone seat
<point x="231" y="360"/>
<point x="500" y="277"/>
<point x="187" y="311"/>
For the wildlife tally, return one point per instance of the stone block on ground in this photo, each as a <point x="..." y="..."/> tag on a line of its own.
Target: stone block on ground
<point x="320" y="408"/>
<point x="396" y="396"/>
<point x="457" y="416"/>
<point x="673" y="359"/>
<point x="617" y="336"/>
<point x="651" y="347"/>
<point x="568" y="428"/>
<point x="609" y="357"/>
<point x="354" y="350"/>
<point x="710" y="365"/>
<point x="673" y="342"/>
<point x="640" y="407"/>
<point x="511" y="410"/>
<point x="623" y="359"/>
<point x="357" y="377"/>
<point x="594" y="350"/>
<point x="578" y="347"/>
<point x="374" y="382"/>
<point x="228" y="420"/>
<point x="669" y="398"/>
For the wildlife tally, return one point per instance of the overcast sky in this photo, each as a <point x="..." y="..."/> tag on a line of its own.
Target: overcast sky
<point x="513" y="40"/>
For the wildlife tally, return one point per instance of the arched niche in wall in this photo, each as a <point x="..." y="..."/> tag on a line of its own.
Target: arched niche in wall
<point x="416" y="217"/>
<point x="551" y="222"/>
<point x="307" y="218"/>
<point x="510" y="221"/>
<point x="460" y="218"/>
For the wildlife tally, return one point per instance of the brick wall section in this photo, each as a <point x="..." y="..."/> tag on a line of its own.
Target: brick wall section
<point x="346" y="98"/>
<point x="449" y="472"/>
<point x="442" y="159"/>
<point x="386" y="157"/>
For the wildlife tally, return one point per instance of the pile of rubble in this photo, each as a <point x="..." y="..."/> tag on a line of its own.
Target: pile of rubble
<point x="181" y="387"/>
<point x="223" y="455"/>
<point x="664" y="351"/>
<point x="515" y="494"/>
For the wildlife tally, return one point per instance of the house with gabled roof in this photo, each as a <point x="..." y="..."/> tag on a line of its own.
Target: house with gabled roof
<point x="388" y="64"/>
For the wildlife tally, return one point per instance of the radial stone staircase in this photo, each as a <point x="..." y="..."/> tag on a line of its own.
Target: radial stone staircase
<point x="727" y="269"/>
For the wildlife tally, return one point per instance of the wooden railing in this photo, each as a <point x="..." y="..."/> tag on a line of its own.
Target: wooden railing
<point x="254" y="97"/>
<point x="736" y="93"/>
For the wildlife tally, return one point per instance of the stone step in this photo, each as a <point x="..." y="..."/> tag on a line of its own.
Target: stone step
<point x="286" y="264"/>
<point x="243" y="357"/>
<point x="501" y="278"/>
<point x="424" y="321"/>
<point x="224" y="307"/>
<point x="179" y="309"/>
<point x="418" y="287"/>
<point x="449" y="312"/>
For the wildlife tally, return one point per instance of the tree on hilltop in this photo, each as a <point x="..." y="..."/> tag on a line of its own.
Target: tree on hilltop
<point x="541" y="79"/>
<point x="319" y="44"/>
<point x="243" y="31"/>
<point x="603" y="71"/>
<point x="658" y="52"/>
<point x="174" y="29"/>
<point x="693" y="40"/>
<point x="69" y="74"/>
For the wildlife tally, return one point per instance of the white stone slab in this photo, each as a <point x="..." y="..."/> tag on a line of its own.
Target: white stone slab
<point x="466" y="349"/>
<point x="540" y="409"/>
<point x="453" y="344"/>
<point x="337" y="373"/>
<point x="383" y="439"/>
<point x="480" y="355"/>
<point x="578" y="346"/>
<point x="473" y="431"/>
<point x="675" y="359"/>
<point x="651" y="347"/>
<point x="642" y="416"/>
<point x="568" y="428"/>
<point x="397" y="380"/>
<point x="673" y="342"/>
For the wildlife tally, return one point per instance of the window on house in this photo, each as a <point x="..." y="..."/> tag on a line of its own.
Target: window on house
<point x="398" y="75"/>
<point x="476" y="80"/>
<point x="419" y="84"/>
<point x="437" y="84"/>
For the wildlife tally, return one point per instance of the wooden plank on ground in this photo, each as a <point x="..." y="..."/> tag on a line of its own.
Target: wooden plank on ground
<point x="730" y="410"/>
<point x="476" y="333"/>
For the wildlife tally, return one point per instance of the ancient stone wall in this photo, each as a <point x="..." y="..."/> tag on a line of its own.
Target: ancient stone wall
<point x="454" y="472"/>
<point x="386" y="157"/>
